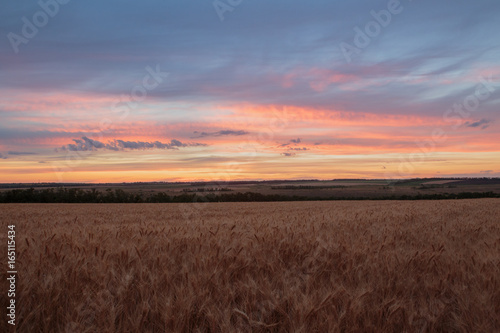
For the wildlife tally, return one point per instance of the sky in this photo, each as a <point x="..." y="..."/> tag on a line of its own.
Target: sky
<point x="162" y="90"/>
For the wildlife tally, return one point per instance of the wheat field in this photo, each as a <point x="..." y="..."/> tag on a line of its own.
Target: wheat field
<point x="371" y="266"/>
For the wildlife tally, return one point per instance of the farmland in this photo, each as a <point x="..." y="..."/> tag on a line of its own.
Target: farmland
<point x="283" y="189"/>
<point x="339" y="266"/>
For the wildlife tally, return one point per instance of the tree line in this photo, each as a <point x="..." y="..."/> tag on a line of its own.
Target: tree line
<point x="76" y="195"/>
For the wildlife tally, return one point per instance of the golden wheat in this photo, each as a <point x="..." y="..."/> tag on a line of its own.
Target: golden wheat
<point x="367" y="266"/>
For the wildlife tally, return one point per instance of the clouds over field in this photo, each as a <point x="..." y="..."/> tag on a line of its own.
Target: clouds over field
<point x="86" y="144"/>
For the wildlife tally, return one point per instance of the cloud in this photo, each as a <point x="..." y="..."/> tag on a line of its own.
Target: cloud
<point x="42" y="162"/>
<point x="139" y="145"/>
<point x="3" y="157"/>
<point x="484" y="123"/>
<point x="293" y="141"/>
<point x="290" y="149"/>
<point x="221" y="133"/>
<point x="87" y="144"/>
<point x="486" y="171"/>
<point x="20" y="153"/>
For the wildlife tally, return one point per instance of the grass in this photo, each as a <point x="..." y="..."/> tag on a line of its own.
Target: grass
<point x="391" y="266"/>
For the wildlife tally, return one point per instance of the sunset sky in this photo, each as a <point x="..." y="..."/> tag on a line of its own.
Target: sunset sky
<point x="162" y="90"/>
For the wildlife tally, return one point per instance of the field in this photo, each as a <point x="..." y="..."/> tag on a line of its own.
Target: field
<point x="355" y="188"/>
<point x="371" y="266"/>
